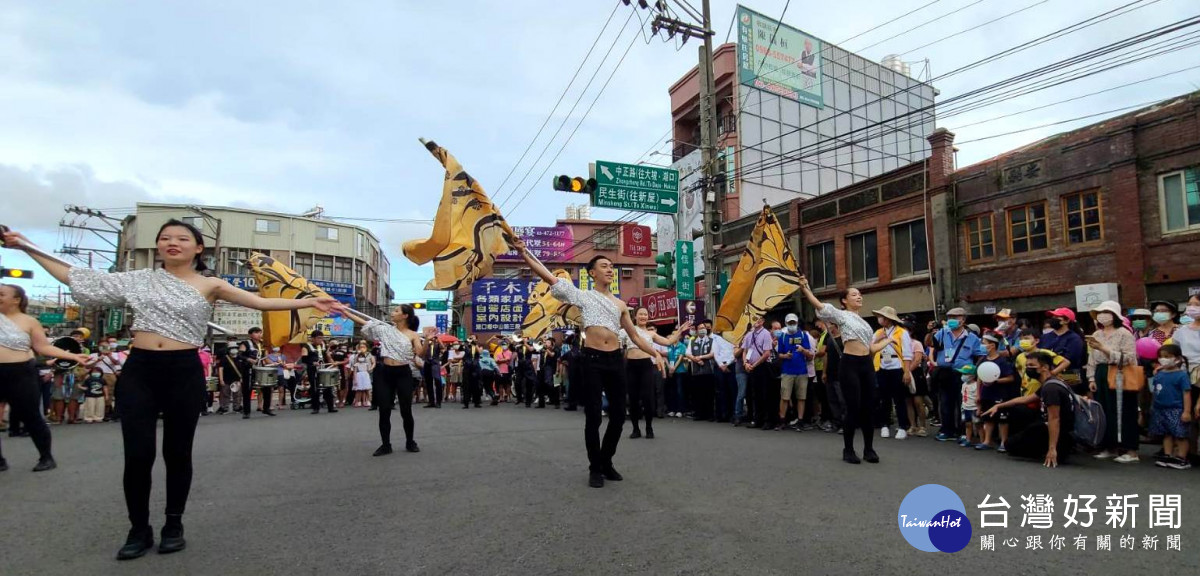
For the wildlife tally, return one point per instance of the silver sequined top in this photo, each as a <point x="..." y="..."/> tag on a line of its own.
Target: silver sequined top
<point x="392" y="343"/>
<point x="852" y="325"/>
<point x="12" y="336"/>
<point x="627" y="342"/>
<point x="596" y="308"/>
<point x="162" y="303"/>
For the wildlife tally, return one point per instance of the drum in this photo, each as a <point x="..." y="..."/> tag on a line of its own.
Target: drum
<point x="266" y="376"/>
<point x="211" y="383"/>
<point x="327" y="378"/>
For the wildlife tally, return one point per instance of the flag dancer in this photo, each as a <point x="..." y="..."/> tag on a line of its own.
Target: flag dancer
<point x="399" y="345"/>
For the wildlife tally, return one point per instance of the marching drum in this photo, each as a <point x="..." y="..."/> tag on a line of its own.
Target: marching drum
<point x="266" y="376"/>
<point x="327" y="378"/>
<point x="211" y="383"/>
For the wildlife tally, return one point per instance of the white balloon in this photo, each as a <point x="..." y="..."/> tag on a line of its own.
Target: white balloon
<point x="988" y="372"/>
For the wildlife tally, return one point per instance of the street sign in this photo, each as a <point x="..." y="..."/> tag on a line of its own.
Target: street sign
<point x="51" y="317"/>
<point x="685" y="275"/>
<point x="436" y="305"/>
<point x="442" y="321"/>
<point x="461" y="332"/>
<point x="637" y="188"/>
<point x="116" y="319"/>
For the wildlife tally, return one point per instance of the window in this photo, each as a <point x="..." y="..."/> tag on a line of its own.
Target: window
<point x="327" y="233"/>
<point x="605" y="239"/>
<point x="196" y="221"/>
<point x="263" y="226"/>
<point x="1081" y="217"/>
<point x="1027" y="228"/>
<point x="863" y="257"/>
<point x="235" y="259"/>
<point x="358" y="274"/>
<point x="909" y="252"/>
<point x="647" y="280"/>
<point x="322" y="268"/>
<point x="344" y="271"/>
<point x="980" y="244"/>
<point x="1179" y="200"/>
<point x="303" y="265"/>
<point x="626" y="273"/>
<point x="821" y="265"/>
<point x="362" y="244"/>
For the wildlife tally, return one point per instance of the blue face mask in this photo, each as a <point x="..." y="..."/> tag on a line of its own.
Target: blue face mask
<point x="954" y="324"/>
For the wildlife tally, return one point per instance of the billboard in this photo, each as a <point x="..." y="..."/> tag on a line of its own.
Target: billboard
<point x="238" y="319"/>
<point x="548" y="244"/>
<point x="789" y="65"/>
<point x="499" y="304"/>
<point x="336" y="326"/>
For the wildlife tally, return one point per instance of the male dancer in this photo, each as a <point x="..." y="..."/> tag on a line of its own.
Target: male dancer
<point x="315" y="354"/>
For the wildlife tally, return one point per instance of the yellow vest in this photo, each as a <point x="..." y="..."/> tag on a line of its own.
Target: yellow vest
<point x="897" y="341"/>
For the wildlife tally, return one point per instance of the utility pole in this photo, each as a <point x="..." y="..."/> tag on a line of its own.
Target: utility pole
<point x="700" y="26"/>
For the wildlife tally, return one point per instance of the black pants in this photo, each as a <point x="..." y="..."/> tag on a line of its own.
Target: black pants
<point x="602" y="372"/>
<point x="702" y="396"/>
<point x="19" y="387"/>
<point x="315" y="393"/>
<point x="892" y="392"/>
<point x="857" y="376"/>
<point x="488" y="382"/>
<point x="574" y="381"/>
<point x="171" y="383"/>
<point x="1032" y="440"/>
<point x="761" y="383"/>
<point x="264" y="399"/>
<point x="527" y="383"/>
<point x="949" y="387"/>
<point x="433" y="387"/>
<point x="470" y="388"/>
<point x="725" y="393"/>
<point x="393" y="383"/>
<point x="639" y="379"/>
<point x="546" y="388"/>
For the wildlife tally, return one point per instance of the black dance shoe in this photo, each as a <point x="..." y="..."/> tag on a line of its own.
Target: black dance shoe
<point x="871" y="456"/>
<point x="849" y="457"/>
<point x="45" y="464"/>
<point x="612" y="474"/>
<point x="383" y="450"/>
<point x="596" y="480"/>
<point x="139" y="542"/>
<point x="171" y="538"/>
<point x="411" y="446"/>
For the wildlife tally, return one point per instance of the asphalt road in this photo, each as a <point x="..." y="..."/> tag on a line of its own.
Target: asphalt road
<point x="504" y="491"/>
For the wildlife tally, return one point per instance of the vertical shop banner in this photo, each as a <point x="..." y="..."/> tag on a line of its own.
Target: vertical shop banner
<point x="635" y="241"/>
<point x="789" y="65"/>
<point x="499" y="304"/>
<point x="548" y="244"/>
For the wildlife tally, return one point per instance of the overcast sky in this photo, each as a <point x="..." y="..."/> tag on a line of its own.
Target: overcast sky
<point x="286" y="105"/>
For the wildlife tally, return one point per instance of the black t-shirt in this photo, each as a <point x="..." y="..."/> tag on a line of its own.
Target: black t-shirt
<point x="93" y="388"/>
<point x="338" y="356"/>
<point x="232" y="368"/>
<point x="833" y="358"/>
<point x="314" y="356"/>
<point x="1055" y="393"/>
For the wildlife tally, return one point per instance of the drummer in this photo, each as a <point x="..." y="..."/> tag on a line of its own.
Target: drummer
<point x="316" y="356"/>
<point x="251" y="353"/>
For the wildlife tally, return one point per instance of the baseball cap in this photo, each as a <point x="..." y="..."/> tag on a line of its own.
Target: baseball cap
<point x="1063" y="313"/>
<point x="957" y="312"/>
<point x="791" y="318"/>
<point x="968" y="369"/>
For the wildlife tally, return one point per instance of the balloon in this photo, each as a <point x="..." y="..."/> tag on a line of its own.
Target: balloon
<point x="988" y="372"/>
<point x="1147" y="348"/>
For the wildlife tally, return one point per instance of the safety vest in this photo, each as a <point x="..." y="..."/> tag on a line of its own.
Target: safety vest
<point x="897" y="341"/>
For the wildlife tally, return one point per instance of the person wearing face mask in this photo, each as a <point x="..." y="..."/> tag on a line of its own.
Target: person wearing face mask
<point x="1068" y="343"/>
<point x="1140" y="322"/>
<point x="95" y="396"/>
<point x="954" y="348"/>
<point x="1006" y="328"/>
<point x="892" y="371"/>
<point x="1112" y="346"/>
<point x="1187" y="337"/>
<point x="504" y="376"/>
<point x="700" y="358"/>
<point x="1164" y="312"/>
<point x="1047" y="438"/>
<point x="455" y="359"/>
<point x="796" y="351"/>
<point x="1172" y="407"/>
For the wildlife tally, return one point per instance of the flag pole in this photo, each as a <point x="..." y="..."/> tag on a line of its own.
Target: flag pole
<point x="32" y="248"/>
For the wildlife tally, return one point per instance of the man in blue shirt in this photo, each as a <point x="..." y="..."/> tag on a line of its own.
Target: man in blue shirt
<point x="954" y="347"/>
<point x="795" y="350"/>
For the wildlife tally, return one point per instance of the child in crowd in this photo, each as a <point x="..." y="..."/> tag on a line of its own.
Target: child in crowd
<point x="970" y="397"/>
<point x="1172" y="407"/>
<point x="95" y="397"/>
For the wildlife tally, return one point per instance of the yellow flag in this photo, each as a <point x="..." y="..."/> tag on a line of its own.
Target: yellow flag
<point x="548" y="313"/>
<point x="468" y="230"/>
<point x="765" y="275"/>
<point x="276" y="280"/>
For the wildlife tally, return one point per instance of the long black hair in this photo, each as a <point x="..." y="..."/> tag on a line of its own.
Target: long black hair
<point x="197" y="235"/>
<point x="413" y="322"/>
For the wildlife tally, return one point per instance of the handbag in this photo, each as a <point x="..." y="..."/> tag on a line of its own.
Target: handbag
<point x="1132" y="377"/>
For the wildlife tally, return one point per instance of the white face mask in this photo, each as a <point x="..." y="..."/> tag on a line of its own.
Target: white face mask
<point x="1002" y="326"/>
<point x="1104" y="319"/>
<point x="1166" y="362"/>
<point x="791" y="329"/>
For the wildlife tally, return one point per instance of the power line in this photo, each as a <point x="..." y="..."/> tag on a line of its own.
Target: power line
<point x="771" y="43"/>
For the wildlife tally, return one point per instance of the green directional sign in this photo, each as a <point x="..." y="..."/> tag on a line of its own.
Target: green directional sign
<point x="115" y="320"/>
<point x="51" y="318"/>
<point x="461" y="332"/>
<point x="685" y="270"/>
<point x="637" y="188"/>
<point x="436" y="305"/>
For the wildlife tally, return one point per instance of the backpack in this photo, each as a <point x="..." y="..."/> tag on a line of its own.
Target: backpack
<point x="1089" y="417"/>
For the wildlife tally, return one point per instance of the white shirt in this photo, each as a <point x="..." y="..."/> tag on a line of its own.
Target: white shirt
<point x="108" y="363"/>
<point x="722" y="350"/>
<point x="888" y="360"/>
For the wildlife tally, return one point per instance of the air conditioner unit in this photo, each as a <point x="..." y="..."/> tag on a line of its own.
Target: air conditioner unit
<point x="627" y="272"/>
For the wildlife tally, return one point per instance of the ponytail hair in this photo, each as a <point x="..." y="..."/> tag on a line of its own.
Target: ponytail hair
<point x="197" y="235"/>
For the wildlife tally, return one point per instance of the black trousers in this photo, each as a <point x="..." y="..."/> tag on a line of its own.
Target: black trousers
<point x="857" y="376"/>
<point x="433" y="386"/>
<point x="725" y="393"/>
<point x="762" y="382"/>
<point x="153" y="382"/>
<point x="639" y="379"/>
<point x="546" y="388"/>
<point x="527" y="383"/>
<point x="19" y="387"/>
<point x="392" y="383"/>
<point x="574" y="382"/>
<point x="892" y="392"/>
<point x="315" y="393"/>
<point x="949" y="391"/>
<point x="487" y="379"/>
<point x="1029" y="437"/>
<point x="264" y="399"/>
<point x="602" y="373"/>
<point x="703" y="391"/>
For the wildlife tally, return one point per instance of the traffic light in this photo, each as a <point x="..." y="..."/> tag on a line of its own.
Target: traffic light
<point x="16" y="273"/>
<point x="577" y="184"/>
<point x="665" y="270"/>
<point x="418" y="305"/>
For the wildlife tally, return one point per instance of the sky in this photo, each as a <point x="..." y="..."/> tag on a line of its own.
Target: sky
<point x="287" y="105"/>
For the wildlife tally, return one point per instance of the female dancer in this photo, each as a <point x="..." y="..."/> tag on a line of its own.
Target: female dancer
<point x="604" y="316"/>
<point x="171" y="307"/>
<point x="20" y="336"/>
<point x="856" y="373"/>
<point x="399" y="345"/>
<point x="363" y="365"/>
<point x="639" y="371"/>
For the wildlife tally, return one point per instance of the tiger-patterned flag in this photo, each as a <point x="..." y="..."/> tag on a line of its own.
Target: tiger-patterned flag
<point x="548" y="313"/>
<point x="765" y="275"/>
<point x="468" y="231"/>
<point x="276" y="280"/>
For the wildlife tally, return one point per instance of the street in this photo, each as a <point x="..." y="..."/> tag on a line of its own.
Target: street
<point x="503" y="490"/>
